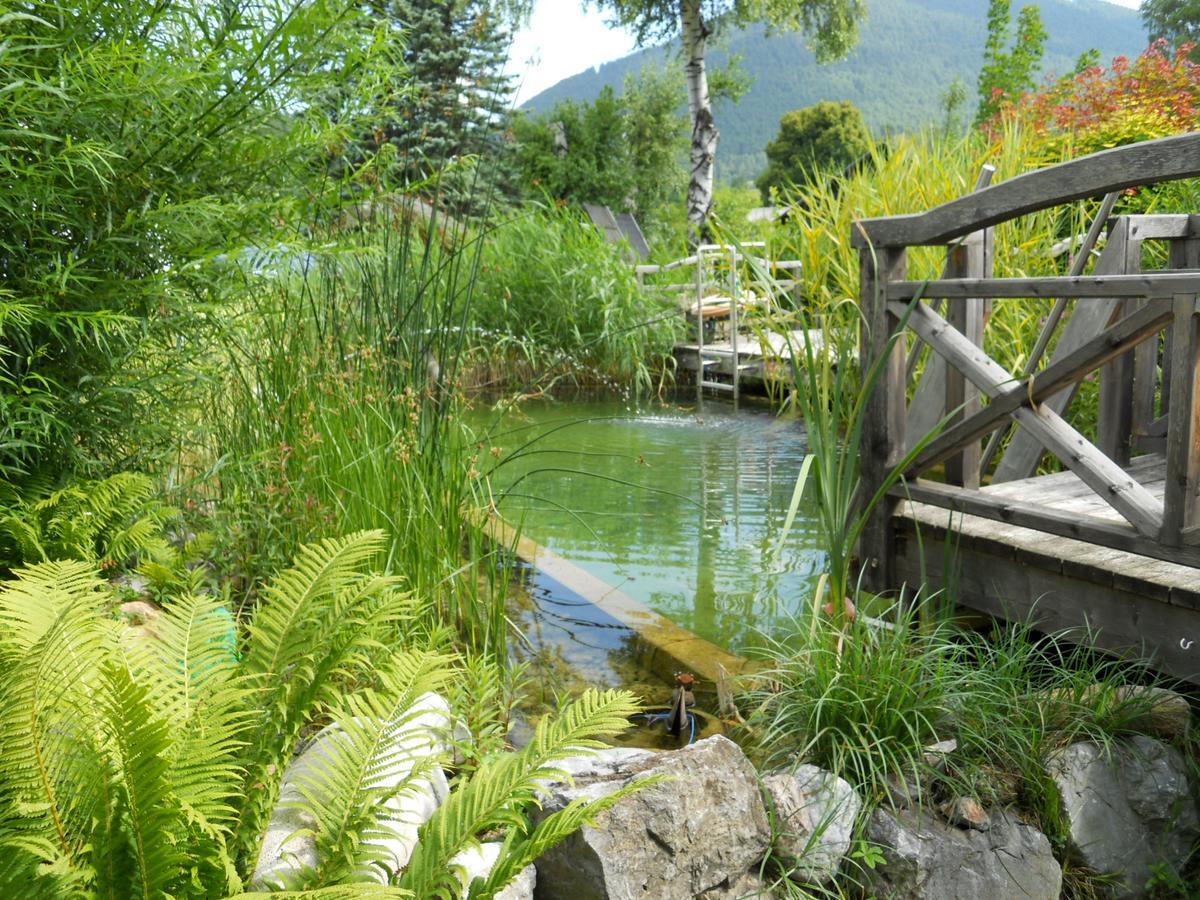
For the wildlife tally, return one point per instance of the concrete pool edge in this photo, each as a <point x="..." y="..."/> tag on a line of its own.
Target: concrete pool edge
<point x="693" y="653"/>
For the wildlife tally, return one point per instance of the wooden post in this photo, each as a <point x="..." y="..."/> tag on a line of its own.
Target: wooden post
<point x="1115" y="427"/>
<point x="1181" y="524"/>
<point x="1181" y="399"/>
<point x="882" y="443"/>
<point x="967" y="260"/>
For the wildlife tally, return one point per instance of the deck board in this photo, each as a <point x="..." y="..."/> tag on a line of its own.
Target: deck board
<point x="1011" y="570"/>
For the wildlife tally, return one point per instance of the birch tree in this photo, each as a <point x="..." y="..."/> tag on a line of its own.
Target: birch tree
<point x="831" y="26"/>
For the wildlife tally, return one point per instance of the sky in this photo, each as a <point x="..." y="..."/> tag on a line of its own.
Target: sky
<point x="563" y="40"/>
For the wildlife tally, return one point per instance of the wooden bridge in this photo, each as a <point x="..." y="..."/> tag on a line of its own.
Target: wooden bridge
<point x="1112" y="542"/>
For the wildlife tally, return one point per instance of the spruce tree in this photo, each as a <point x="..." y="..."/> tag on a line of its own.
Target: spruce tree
<point x="448" y="122"/>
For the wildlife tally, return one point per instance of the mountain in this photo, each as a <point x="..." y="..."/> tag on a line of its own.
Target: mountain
<point x="909" y="52"/>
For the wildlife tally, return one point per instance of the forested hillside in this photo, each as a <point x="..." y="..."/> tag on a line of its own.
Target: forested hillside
<point x="909" y="52"/>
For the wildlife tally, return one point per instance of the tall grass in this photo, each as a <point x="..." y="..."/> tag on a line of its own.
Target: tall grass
<point x="554" y="295"/>
<point x="334" y="413"/>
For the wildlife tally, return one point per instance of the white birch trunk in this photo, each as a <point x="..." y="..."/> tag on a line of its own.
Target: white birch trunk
<point x="704" y="129"/>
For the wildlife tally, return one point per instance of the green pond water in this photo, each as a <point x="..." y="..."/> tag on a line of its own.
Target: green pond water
<point x="678" y="505"/>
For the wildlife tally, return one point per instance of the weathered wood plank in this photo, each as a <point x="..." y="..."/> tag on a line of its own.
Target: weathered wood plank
<point x="1046" y="519"/>
<point x="1160" y="285"/>
<point x="1114" y="427"/>
<point x="1148" y="162"/>
<point x="1117" y="620"/>
<point x="1181" y="510"/>
<point x="1159" y="226"/>
<point x="882" y="438"/>
<point x="1105" y="477"/>
<point x="1023" y="453"/>
<point x="961" y="396"/>
<point x="1066" y="370"/>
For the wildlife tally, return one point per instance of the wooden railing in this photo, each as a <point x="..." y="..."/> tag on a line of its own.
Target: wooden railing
<point x="1141" y="330"/>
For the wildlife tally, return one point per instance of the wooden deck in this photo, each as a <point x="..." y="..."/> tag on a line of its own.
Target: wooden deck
<point x="766" y="359"/>
<point x="1130" y="602"/>
<point x="1113" y="544"/>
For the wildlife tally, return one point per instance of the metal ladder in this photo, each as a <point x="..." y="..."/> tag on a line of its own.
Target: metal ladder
<point x="708" y="358"/>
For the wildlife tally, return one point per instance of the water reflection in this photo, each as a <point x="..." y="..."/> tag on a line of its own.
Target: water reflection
<point x="677" y="505"/>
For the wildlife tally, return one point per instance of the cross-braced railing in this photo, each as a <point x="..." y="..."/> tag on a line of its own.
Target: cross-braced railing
<point x="1140" y="329"/>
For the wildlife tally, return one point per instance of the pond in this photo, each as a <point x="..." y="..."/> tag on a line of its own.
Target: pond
<point x="677" y="505"/>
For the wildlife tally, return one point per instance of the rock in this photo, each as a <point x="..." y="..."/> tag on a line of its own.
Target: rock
<point x="1127" y="811"/>
<point x="1166" y="714"/>
<point x="965" y="812"/>
<point x="698" y="831"/>
<point x="814" y="820"/>
<point x="741" y="887"/>
<point x="419" y="735"/>
<point x="937" y="755"/>
<point x="925" y="859"/>
<point x="478" y="862"/>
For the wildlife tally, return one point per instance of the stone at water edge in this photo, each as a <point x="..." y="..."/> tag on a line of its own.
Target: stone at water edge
<point x="926" y="859"/>
<point x="1126" y="812"/>
<point x="422" y="733"/>
<point x="814" y="821"/>
<point x="699" y="831"/>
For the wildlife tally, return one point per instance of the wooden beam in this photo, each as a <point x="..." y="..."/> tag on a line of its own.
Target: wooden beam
<point x="1180" y="511"/>
<point x="1021" y="457"/>
<point x="882" y="438"/>
<point x="1128" y="332"/>
<point x="1043" y="518"/>
<point x="1160" y="285"/>
<point x="1104" y="476"/>
<point x="1147" y="162"/>
<point x="1114" y="426"/>
<point x="962" y="397"/>
<point x="1160" y="227"/>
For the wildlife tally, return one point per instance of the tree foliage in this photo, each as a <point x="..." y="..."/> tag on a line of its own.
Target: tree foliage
<point x="1009" y="71"/>
<point x="141" y="139"/>
<point x="1155" y="95"/>
<point x="621" y="150"/>
<point x="450" y="114"/>
<point x="829" y="135"/>
<point x="1176" y="21"/>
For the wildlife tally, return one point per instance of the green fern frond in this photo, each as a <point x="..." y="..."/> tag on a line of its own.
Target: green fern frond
<point x="198" y="688"/>
<point x="152" y="819"/>
<point x="499" y="791"/>
<point x="345" y="792"/>
<point x="53" y="643"/>
<point x="278" y="635"/>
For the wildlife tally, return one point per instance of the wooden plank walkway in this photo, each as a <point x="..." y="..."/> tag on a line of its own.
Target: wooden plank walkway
<point x="766" y="358"/>
<point x="1132" y="603"/>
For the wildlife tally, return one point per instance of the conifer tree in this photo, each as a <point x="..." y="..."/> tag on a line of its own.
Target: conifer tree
<point x="447" y="123"/>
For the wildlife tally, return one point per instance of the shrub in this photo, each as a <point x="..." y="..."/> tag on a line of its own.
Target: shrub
<point x="826" y="137"/>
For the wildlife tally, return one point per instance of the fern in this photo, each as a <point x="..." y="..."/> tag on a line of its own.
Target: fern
<point x="344" y="793"/>
<point x="499" y="792"/>
<point x="106" y="520"/>
<point x="336" y="892"/>
<point x="140" y="742"/>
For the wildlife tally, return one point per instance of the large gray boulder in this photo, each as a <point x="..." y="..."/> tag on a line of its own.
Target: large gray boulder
<point x="478" y="862"/>
<point x="927" y="859"/>
<point x="1126" y="811"/>
<point x="814" y="821"/>
<point x="698" y="830"/>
